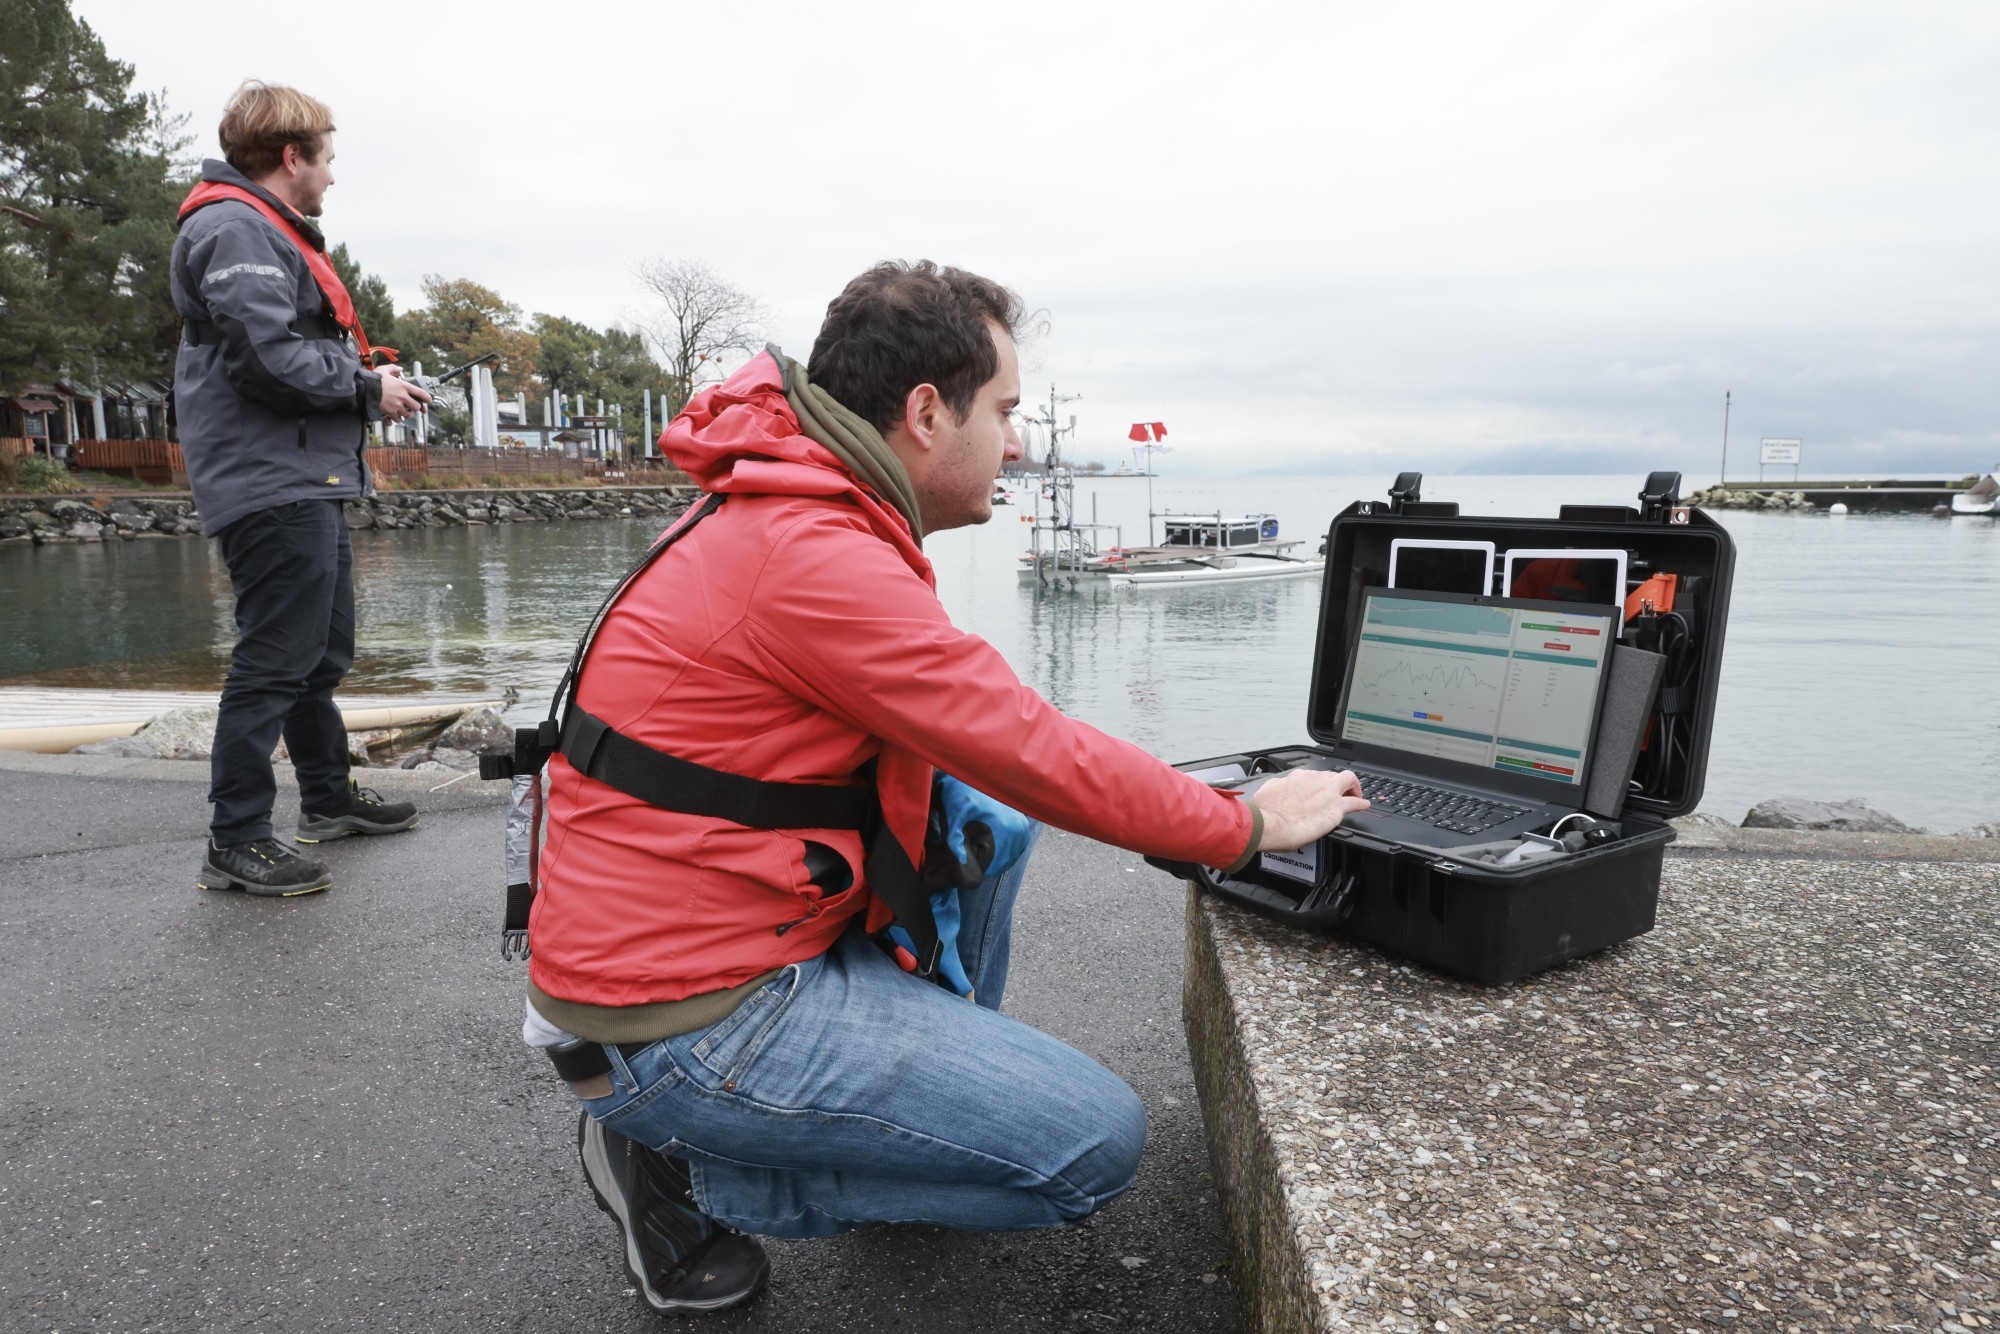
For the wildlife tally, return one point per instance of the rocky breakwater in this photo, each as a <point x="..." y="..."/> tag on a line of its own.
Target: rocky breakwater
<point x="1736" y="498"/>
<point x="447" y="509"/>
<point x="53" y="521"/>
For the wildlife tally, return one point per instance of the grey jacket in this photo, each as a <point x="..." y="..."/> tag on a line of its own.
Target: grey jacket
<point x="271" y="397"/>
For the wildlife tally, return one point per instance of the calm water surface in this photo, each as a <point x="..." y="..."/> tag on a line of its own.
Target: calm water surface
<point x="1860" y="659"/>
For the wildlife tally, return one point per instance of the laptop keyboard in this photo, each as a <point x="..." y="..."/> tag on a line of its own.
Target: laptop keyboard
<point x="1459" y="812"/>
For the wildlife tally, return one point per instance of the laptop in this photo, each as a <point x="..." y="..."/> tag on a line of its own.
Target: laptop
<point x="1468" y="718"/>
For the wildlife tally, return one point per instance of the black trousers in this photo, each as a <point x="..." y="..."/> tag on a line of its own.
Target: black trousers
<point x="293" y="572"/>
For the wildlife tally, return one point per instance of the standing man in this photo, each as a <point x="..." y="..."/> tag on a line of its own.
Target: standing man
<point x="711" y="972"/>
<point x="275" y="392"/>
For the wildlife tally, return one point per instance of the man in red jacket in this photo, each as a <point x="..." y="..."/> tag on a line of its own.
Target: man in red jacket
<point x="768" y="1067"/>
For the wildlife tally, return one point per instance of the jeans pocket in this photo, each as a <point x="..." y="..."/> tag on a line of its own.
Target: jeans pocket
<point x="726" y="1049"/>
<point x="636" y="1081"/>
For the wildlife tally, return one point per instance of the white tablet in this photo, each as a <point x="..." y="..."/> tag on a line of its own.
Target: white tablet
<point x="1439" y="566"/>
<point x="1567" y="574"/>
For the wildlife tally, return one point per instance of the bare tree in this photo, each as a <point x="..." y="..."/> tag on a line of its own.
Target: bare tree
<point x="702" y="317"/>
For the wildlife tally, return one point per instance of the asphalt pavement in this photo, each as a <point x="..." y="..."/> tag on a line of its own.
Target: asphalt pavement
<point x="225" y="1113"/>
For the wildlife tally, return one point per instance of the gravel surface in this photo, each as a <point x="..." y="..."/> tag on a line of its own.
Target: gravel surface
<point x="1775" y="1112"/>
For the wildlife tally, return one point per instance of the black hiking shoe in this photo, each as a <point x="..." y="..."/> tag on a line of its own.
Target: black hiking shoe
<point x="262" y="866"/>
<point x="364" y="813"/>
<point x="681" y="1259"/>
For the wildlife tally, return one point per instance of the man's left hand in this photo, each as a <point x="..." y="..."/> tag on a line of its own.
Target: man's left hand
<point x="983" y="837"/>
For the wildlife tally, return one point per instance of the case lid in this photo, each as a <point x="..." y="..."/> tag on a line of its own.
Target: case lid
<point x="1659" y="537"/>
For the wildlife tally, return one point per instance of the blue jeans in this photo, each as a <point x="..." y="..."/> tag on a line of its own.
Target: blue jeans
<point x="847" y="1091"/>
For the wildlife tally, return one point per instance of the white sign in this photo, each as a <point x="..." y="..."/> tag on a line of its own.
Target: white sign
<point x="1781" y="451"/>
<point x="1300" y="865"/>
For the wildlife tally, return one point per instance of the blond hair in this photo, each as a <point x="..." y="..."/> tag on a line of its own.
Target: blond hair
<point x="261" y="119"/>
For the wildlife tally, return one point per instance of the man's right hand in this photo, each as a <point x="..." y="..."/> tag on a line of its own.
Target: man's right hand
<point x="1305" y="804"/>
<point x="401" y="399"/>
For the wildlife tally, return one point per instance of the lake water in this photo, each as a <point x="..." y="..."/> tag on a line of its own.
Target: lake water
<point x="1861" y="657"/>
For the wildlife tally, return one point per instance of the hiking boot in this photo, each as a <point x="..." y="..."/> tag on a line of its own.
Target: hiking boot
<point x="679" y="1257"/>
<point x="262" y="866"/>
<point x="364" y="813"/>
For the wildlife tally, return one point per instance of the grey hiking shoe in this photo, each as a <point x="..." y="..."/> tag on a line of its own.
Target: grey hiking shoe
<point x="364" y="813"/>
<point x="264" y="867"/>
<point x="681" y="1259"/>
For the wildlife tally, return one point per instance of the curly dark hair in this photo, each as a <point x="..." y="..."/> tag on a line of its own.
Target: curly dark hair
<point x="906" y="323"/>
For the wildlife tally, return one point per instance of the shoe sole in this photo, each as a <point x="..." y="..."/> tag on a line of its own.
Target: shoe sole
<point x="590" y="1148"/>
<point x="210" y="878"/>
<point x="323" y="831"/>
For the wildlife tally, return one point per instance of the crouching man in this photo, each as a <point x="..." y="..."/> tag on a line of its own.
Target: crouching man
<point x="757" y="1048"/>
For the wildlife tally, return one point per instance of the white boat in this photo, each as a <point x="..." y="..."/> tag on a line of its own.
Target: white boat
<point x="1219" y="569"/>
<point x="1982" y="497"/>
<point x="1203" y="546"/>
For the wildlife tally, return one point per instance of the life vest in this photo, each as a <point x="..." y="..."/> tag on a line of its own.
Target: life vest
<point x="600" y="752"/>
<point x="332" y="290"/>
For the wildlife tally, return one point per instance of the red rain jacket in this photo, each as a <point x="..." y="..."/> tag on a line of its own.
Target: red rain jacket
<point x="792" y="636"/>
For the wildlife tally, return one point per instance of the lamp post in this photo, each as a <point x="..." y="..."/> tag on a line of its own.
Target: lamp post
<point x="1724" y="479"/>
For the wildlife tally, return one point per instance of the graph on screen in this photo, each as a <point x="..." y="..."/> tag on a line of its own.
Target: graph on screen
<point x="1508" y="688"/>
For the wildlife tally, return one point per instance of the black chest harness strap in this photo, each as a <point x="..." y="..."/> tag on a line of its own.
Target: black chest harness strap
<point x="599" y="752"/>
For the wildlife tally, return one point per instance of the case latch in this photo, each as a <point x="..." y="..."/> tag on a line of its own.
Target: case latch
<point x="1407" y="489"/>
<point x="1660" y="499"/>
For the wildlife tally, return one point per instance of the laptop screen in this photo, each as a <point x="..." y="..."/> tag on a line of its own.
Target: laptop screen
<point x="1502" y="683"/>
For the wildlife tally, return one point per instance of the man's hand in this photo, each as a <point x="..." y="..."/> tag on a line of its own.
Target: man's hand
<point x="400" y="399"/>
<point x="1305" y="804"/>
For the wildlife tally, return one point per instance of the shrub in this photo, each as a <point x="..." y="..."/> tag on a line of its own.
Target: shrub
<point x="36" y="473"/>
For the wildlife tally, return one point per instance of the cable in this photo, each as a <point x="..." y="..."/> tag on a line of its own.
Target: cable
<point x="1669" y="750"/>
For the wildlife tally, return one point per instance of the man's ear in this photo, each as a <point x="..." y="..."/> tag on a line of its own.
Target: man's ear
<point x="923" y="412"/>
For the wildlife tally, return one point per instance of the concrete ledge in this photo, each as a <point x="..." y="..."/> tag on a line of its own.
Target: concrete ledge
<point x="1775" y="1112"/>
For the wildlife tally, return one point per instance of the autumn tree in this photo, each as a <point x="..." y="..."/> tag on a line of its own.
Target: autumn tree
<point x="461" y="320"/>
<point x="701" y="319"/>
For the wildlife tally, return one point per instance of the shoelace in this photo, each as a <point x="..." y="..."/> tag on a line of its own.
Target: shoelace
<point x="368" y="796"/>
<point x="263" y="849"/>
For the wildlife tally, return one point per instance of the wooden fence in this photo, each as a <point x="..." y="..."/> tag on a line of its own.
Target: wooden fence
<point x="155" y="462"/>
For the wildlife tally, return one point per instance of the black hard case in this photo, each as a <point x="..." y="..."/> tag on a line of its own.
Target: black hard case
<point x="1496" y="924"/>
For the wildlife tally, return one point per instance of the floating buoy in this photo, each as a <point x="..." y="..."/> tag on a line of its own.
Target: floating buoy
<point x="1837" y="508"/>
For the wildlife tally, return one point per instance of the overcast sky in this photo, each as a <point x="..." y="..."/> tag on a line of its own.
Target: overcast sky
<point x="1323" y="237"/>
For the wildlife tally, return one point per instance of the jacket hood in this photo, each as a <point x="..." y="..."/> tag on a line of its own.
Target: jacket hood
<point x="743" y="436"/>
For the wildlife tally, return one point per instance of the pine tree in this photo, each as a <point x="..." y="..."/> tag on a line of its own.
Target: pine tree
<point x="88" y="192"/>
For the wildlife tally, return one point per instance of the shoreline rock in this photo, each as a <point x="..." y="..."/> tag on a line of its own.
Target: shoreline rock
<point x="1853" y="816"/>
<point x="449" y="743"/>
<point x="41" y="521"/>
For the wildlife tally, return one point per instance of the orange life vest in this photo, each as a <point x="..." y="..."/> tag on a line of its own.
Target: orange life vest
<point x="333" y="291"/>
